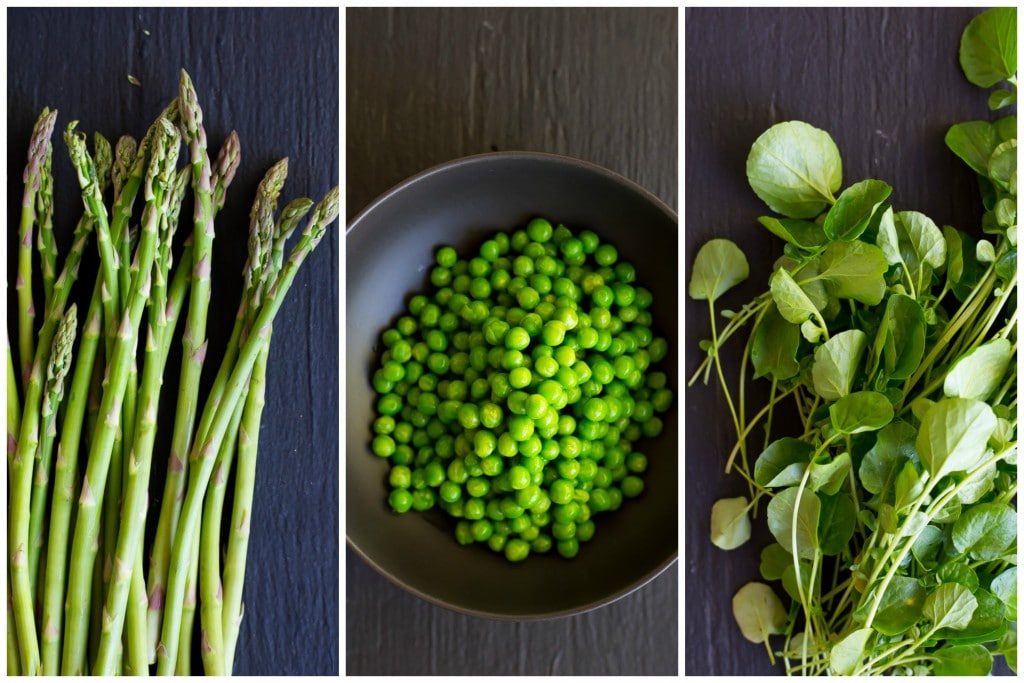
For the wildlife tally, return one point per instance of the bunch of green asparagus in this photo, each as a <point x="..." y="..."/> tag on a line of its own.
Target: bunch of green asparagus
<point x="80" y="596"/>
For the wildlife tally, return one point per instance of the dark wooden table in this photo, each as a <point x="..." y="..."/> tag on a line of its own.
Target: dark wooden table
<point x="426" y="86"/>
<point x="886" y="84"/>
<point x="271" y="75"/>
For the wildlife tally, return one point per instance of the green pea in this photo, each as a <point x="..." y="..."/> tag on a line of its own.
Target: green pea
<point x="383" y="445"/>
<point x="468" y="416"/>
<point x="497" y="542"/>
<point x="517" y="338"/>
<point x="492" y="465"/>
<point x="422" y="500"/>
<point x="520" y="428"/>
<point x="632" y="486"/>
<point x="541" y="544"/>
<point x="517" y="550"/>
<point x="481" y="530"/>
<point x="636" y="462"/>
<point x="520" y="377"/>
<point x="584" y="531"/>
<point x="652" y="427"/>
<point x="569" y="548"/>
<point x="400" y="477"/>
<point x="474" y="508"/>
<point x="484" y="443"/>
<point x="400" y="500"/>
<point x="450" y="492"/>
<point x="561" y="491"/>
<point x="519" y="477"/>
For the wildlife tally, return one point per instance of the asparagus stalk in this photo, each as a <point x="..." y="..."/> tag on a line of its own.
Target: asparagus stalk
<point x="57" y="370"/>
<point x="66" y="472"/>
<point x="37" y="151"/>
<point x="45" y="243"/>
<point x="13" y="420"/>
<point x="24" y="458"/>
<point x="83" y="549"/>
<point x="260" y="247"/>
<point x="248" y="440"/>
<point x="204" y="452"/>
<point x="193" y="339"/>
<point x="133" y="513"/>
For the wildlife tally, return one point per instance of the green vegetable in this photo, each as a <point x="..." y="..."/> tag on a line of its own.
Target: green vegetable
<point x="77" y="520"/>
<point x="892" y="503"/>
<point x="538" y="389"/>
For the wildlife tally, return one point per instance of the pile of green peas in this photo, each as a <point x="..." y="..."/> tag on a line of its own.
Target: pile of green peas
<point x="513" y="395"/>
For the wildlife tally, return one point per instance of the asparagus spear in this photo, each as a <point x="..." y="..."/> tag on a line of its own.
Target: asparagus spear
<point x="37" y="150"/>
<point x="13" y="420"/>
<point x="57" y="370"/>
<point x="24" y="458"/>
<point x="66" y="471"/>
<point x="83" y="549"/>
<point x="193" y="338"/>
<point x="204" y="451"/>
<point x="44" y="211"/>
<point x="248" y="439"/>
<point x="260" y="247"/>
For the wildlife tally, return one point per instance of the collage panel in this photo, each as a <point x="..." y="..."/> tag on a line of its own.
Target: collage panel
<point x="851" y="317"/>
<point x="511" y="446"/>
<point x="172" y="472"/>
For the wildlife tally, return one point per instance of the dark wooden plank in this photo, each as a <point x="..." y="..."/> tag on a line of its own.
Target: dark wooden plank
<point x="272" y="75"/>
<point x="426" y="86"/>
<point x="886" y="84"/>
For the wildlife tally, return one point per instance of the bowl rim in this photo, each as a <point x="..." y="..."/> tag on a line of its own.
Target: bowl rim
<point x="351" y="227"/>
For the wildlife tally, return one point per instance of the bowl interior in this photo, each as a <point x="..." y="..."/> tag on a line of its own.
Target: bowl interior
<point x="390" y="249"/>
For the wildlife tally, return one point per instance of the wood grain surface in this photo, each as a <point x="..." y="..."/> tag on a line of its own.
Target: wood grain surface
<point x="425" y="86"/>
<point x="886" y="84"/>
<point x="271" y="75"/>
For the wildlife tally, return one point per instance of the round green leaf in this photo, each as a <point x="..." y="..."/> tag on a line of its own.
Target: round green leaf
<point x="836" y="363"/>
<point x="951" y="605"/>
<point x="862" y="411"/>
<point x="758" y="612"/>
<point x="954" y="435"/>
<point x="854" y="208"/>
<point x="985" y="531"/>
<point x="848" y="654"/>
<point x="718" y="267"/>
<point x="988" y="47"/>
<point x="962" y="660"/>
<point x="730" y="525"/>
<point x="795" y="168"/>
<point x="779" y="459"/>
<point x="781" y="517"/>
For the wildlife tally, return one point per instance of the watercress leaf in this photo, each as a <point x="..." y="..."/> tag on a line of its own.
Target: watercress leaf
<point x="730" y="524"/>
<point x="927" y="546"/>
<point x="961" y="660"/>
<point x="985" y="531"/>
<point x="921" y="241"/>
<point x="1004" y="587"/>
<point x="958" y="571"/>
<point x="1008" y="649"/>
<point x="849" y="217"/>
<point x="980" y="372"/>
<point x="901" y="336"/>
<point x="758" y="612"/>
<point x="949" y="513"/>
<point x="987" y="624"/>
<point x="988" y="47"/>
<point x="811" y="331"/>
<point x="888" y="520"/>
<point x="856" y="270"/>
<point x="778" y="457"/>
<point x="1006" y="266"/>
<point x="774" y="346"/>
<point x="909" y="485"/>
<point x="900" y="607"/>
<point x="789" y="582"/>
<point x="848" y="653"/>
<point x="862" y="411"/>
<point x="1002" y="166"/>
<point x="795" y="168"/>
<point x="837" y="523"/>
<point x="950" y="605"/>
<point x="1006" y="127"/>
<point x="828" y="477"/>
<point x="781" y="515"/>
<point x="984" y="251"/>
<point x="920" y="406"/>
<point x="836" y="363"/>
<point x="998" y="99"/>
<point x="719" y="266"/>
<point x="973" y="141"/>
<point x="774" y="560"/>
<point x="893" y="447"/>
<point x="793" y="303"/>
<point x="978" y="486"/>
<point x="954" y="254"/>
<point x="1006" y="212"/>
<point x="803" y="234"/>
<point x="954" y="435"/>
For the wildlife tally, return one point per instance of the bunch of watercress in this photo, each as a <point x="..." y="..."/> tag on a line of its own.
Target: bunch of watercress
<point x="894" y="510"/>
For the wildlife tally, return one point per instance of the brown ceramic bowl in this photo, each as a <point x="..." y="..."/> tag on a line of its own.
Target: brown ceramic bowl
<point x="390" y="248"/>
